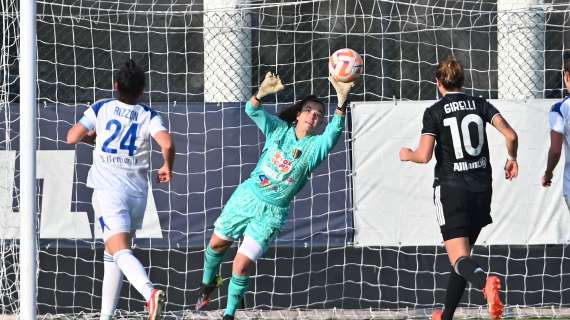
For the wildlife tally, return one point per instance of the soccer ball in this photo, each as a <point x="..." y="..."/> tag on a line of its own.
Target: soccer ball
<point x="345" y="65"/>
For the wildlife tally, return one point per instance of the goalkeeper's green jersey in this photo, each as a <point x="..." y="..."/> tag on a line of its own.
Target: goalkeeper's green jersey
<point x="286" y="162"/>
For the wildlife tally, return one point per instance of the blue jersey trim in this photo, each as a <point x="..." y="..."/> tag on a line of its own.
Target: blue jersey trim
<point x="149" y="109"/>
<point x="84" y="122"/>
<point x="97" y="105"/>
<point x="103" y="224"/>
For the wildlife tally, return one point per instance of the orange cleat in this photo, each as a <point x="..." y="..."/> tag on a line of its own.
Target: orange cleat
<point x="437" y="314"/>
<point x="155" y="304"/>
<point x="491" y="293"/>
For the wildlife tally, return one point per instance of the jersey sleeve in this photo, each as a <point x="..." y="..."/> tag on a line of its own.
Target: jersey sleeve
<point x="265" y="121"/>
<point x="155" y="124"/>
<point x="89" y="119"/>
<point x="489" y="112"/>
<point x="430" y="123"/>
<point x="326" y="141"/>
<point x="555" y="119"/>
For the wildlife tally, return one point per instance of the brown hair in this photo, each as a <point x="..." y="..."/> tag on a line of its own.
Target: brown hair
<point x="289" y="114"/>
<point x="450" y="73"/>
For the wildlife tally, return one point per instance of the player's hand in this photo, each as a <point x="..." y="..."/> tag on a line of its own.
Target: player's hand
<point x="511" y="169"/>
<point x="547" y="179"/>
<point x="406" y="154"/>
<point x="342" y="89"/>
<point x="271" y="84"/>
<point x="164" y="174"/>
<point x="90" y="137"/>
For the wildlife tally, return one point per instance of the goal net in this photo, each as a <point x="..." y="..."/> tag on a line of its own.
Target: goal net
<point x="203" y="59"/>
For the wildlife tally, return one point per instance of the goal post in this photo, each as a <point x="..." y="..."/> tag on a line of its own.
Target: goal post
<point x="28" y="213"/>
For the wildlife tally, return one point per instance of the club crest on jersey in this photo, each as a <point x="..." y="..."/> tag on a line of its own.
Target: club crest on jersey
<point x="263" y="180"/>
<point x="280" y="162"/>
<point x="296" y="153"/>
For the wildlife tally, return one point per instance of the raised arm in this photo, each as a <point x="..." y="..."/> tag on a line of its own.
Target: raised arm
<point x="265" y="122"/>
<point x="512" y="142"/>
<point x="329" y="138"/>
<point x="271" y="84"/>
<point x="342" y="91"/>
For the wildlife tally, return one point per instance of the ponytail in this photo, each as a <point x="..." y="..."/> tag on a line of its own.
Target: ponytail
<point x="450" y="73"/>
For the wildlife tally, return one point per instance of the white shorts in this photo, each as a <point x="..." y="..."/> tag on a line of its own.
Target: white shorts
<point x="117" y="213"/>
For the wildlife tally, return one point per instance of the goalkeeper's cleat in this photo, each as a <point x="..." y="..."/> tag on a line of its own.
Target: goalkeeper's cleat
<point x="155" y="304"/>
<point x="228" y="317"/>
<point x="437" y="314"/>
<point x="491" y="293"/>
<point x="207" y="290"/>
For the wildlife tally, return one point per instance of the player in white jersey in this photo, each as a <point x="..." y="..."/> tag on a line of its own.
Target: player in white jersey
<point x="122" y="129"/>
<point x="559" y="123"/>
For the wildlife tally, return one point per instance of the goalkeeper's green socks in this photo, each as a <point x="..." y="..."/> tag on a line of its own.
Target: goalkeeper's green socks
<point x="212" y="261"/>
<point x="236" y="289"/>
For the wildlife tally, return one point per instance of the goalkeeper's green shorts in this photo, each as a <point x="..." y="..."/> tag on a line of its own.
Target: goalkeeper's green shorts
<point x="246" y="215"/>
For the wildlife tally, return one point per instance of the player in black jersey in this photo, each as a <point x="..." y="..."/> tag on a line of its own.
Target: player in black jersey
<point x="455" y="125"/>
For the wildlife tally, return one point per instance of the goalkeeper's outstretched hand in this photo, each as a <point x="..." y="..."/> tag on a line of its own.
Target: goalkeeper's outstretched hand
<point x="271" y="84"/>
<point x="342" y="89"/>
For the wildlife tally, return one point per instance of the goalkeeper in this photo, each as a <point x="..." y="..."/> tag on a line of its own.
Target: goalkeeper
<point x="258" y="208"/>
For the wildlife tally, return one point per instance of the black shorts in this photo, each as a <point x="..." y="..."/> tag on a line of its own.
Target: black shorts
<point x="460" y="211"/>
<point x="461" y="232"/>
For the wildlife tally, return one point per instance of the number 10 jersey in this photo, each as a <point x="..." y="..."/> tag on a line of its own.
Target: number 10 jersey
<point x="458" y="122"/>
<point x="122" y="148"/>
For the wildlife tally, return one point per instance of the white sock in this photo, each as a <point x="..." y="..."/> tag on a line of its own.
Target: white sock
<point x="112" y="283"/>
<point x="134" y="271"/>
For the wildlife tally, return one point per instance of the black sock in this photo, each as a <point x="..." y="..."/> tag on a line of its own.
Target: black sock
<point x="469" y="269"/>
<point x="455" y="288"/>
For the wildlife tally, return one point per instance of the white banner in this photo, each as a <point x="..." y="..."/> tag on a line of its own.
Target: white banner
<point x="393" y="200"/>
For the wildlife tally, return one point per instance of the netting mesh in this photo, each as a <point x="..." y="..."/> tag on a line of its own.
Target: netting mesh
<point x="201" y="62"/>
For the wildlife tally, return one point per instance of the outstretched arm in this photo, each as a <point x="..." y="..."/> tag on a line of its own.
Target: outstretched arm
<point x="271" y="84"/>
<point x="423" y="152"/>
<point x="329" y="138"/>
<point x="265" y="122"/>
<point x="166" y="144"/>
<point x="342" y="91"/>
<point x="512" y="142"/>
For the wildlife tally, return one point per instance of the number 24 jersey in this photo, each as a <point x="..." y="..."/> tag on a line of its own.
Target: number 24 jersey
<point x="122" y="149"/>
<point x="458" y="123"/>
